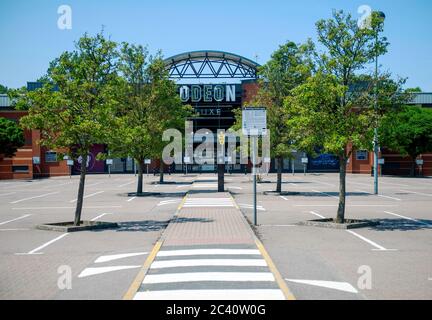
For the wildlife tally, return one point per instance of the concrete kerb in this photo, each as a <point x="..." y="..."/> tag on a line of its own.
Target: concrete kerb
<point x="329" y="223"/>
<point x="84" y="226"/>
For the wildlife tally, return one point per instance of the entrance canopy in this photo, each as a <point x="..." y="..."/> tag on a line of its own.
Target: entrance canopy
<point x="208" y="64"/>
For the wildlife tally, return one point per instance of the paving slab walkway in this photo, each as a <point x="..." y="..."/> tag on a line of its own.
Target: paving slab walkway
<point x="208" y="252"/>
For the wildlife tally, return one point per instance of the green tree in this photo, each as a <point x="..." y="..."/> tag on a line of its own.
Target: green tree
<point x="3" y="89"/>
<point x="149" y="105"/>
<point x="408" y="132"/>
<point x="289" y="66"/>
<point x="11" y="137"/>
<point x="334" y="109"/>
<point x="78" y="114"/>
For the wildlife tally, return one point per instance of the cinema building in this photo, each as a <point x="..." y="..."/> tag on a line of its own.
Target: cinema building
<point x="215" y="83"/>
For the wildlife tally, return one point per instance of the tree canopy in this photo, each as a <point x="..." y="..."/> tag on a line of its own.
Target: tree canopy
<point x="408" y="132"/>
<point x="11" y="137"/>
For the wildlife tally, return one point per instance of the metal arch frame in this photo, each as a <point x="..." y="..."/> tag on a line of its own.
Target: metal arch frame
<point x="208" y="64"/>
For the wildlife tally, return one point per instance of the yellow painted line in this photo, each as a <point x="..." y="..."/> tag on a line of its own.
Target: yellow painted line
<point x="235" y="203"/>
<point x="141" y="274"/>
<point x="279" y="280"/>
<point x="182" y="202"/>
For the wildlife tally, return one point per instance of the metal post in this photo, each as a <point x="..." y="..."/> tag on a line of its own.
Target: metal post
<point x="109" y="170"/>
<point x="254" y="180"/>
<point x="375" y="142"/>
<point x="147" y="169"/>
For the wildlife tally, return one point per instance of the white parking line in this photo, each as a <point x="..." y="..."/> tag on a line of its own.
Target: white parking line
<point x="380" y="195"/>
<point x="125" y="184"/>
<point x="278" y="225"/>
<point x="328" y="195"/>
<point x="99" y="216"/>
<point x="171" y="201"/>
<point x="395" y="184"/>
<point x="377" y="246"/>
<point x="15" y="229"/>
<point x="235" y="187"/>
<point x="98" y="270"/>
<point x="342" y="286"/>
<point x="88" y="196"/>
<point x="350" y="204"/>
<point x="208" y="276"/>
<point x="129" y="200"/>
<point x="22" y="217"/>
<point x="325" y="183"/>
<point x="408" y="218"/>
<point x="84" y="207"/>
<point x="39" y="196"/>
<point x="58" y="185"/>
<point x="35" y="251"/>
<point x="7" y="194"/>
<point x="420" y="193"/>
<point x="94" y="184"/>
<point x="118" y="256"/>
<point x="285" y="198"/>
<point x="317" y="214"/>
<point x="249" y="206"/>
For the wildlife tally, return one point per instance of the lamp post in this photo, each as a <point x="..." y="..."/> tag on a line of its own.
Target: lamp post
<point x="380" y="15"/>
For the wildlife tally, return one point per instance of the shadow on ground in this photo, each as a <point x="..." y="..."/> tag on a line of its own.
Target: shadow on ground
<point x="153" y="225"/>
<point x="401" y="225"/>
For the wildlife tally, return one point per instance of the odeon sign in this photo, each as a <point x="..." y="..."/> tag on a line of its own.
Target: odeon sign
<point x="208" y="93"/>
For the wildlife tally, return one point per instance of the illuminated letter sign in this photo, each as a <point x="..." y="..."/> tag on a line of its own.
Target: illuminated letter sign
<point x="230" y="93"/>
<point x="208" y="93"/>
<point x="218" y="92"/>
<point x="184" y="93"/>
<point x="196" y="93"/>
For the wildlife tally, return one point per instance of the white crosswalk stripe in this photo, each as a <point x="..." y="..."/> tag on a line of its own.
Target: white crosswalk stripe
<point x="208" y="202"/>
<point x="209" y="273"/>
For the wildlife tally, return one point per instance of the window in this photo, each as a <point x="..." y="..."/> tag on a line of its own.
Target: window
<point x="19" y="169"/>
<point x="50" y="156"/>
<point x="361" y="155"/>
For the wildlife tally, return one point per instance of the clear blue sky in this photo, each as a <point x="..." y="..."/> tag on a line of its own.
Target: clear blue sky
<point x="30" y="39"/>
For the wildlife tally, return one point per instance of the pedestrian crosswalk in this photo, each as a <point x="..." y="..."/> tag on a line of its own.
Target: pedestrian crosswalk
<point x="208" y="202"/>
<point x="212" y="272"/>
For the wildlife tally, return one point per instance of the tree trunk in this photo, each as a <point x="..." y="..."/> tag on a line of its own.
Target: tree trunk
<point x="413" y="166"/>
<point x="78" y="208"/>
<point x="279" y="174"/>
<point x="161" y="172"/>
<point x="140" y="177"/>
<point x="340" y="218"/>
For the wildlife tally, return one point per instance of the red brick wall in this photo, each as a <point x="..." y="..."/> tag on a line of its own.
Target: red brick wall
<point x="249" y="90"/>
<point x="24" y="155"/>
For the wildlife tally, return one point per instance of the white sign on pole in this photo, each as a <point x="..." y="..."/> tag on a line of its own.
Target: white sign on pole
<point x="304" y="160"/>
<point x="36" y="160"/>
<point x="381" y="161"/>
<point x="186" y="160"/>
<point x="419" y="162"/>
<point x="254" y="121"/>
<point x="147" y="161"/>
<point x="109" y="161"/>
<point x="69" y="162"/>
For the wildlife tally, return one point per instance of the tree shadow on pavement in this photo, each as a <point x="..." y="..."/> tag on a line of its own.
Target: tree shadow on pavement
<point x="154" y="225"/>
<point x="401" y="225"/>
<point x="142" y="226"/>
